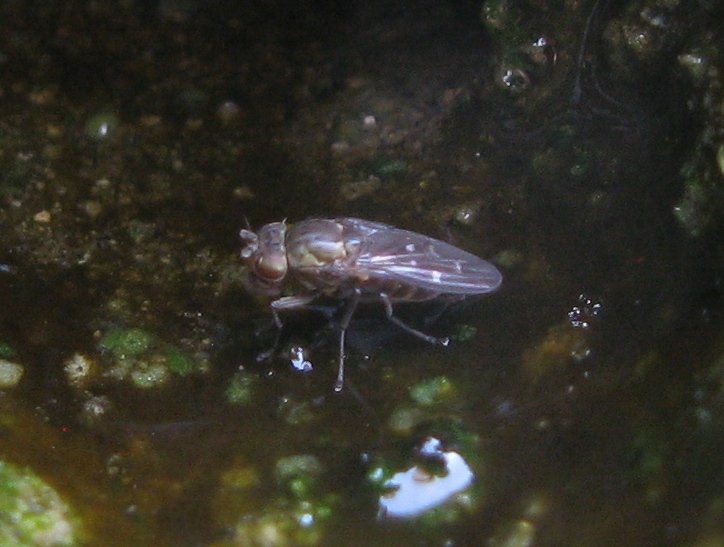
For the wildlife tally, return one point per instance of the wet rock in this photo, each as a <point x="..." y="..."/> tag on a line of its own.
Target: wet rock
<point x="32" y="513"/>
<point x="10" y="374"/>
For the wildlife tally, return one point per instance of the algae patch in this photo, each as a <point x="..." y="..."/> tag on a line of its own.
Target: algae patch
<point x="31" y="512"/>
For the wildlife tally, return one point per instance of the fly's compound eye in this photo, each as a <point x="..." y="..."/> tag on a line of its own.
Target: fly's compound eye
<point x="265" y="252"/>
<point x="271" y="266"/>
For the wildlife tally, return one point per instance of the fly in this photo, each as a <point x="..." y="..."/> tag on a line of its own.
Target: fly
<point x="354" y="260"/>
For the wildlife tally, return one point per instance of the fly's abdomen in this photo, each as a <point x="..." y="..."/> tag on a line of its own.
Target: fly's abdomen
<point x="395" y="291"/>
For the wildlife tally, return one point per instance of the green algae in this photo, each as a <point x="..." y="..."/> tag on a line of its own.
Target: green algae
<point x="434" y="391"/>
<point x="179" y="361"/>
<point x="148" y="362"/>
<point x="32" y="513"/>
<point x="240" y="390"/>
<point x="6" y="351"/>
<point x="124" y="343"/>
<point x="297" y="513"/>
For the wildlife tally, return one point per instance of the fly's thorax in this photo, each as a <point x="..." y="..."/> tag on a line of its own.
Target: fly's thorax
<point x="315" y="243"/>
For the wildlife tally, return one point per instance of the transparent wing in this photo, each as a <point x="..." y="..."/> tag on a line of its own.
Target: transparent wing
<point x="424" y="262"/>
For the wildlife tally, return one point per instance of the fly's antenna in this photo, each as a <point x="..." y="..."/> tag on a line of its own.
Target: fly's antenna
<point x="250" y="239"/>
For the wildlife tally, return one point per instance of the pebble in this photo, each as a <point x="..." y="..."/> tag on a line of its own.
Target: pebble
<point x="10" y="374"/>
<point x="43" y="216"/>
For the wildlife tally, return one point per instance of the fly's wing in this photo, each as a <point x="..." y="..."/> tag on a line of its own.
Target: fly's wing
<point x="427" y="263"/>
<point x="361" y="227"/>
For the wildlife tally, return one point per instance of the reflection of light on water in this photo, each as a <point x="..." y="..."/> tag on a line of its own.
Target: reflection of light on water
<point x="306" y="520"/>
<point x="581" y="315"/>
<point x="299" y="359"/>
<point x="416" y="491"/>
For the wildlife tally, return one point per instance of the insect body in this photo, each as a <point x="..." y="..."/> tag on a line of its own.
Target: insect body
<point x="356" y="260"/>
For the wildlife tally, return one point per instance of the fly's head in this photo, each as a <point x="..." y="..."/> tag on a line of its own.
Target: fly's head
<point x="265" y="255"/>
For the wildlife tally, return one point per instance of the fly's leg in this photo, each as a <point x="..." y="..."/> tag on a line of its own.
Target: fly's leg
<point x="407" y="328"/>
<point x="343" y="324"/>
<point x="277" y="325"/>
<point x="284" y="303"/>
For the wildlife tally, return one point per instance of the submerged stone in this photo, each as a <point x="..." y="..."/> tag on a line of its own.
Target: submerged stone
<point x="32" y="514"/>
<point x="432" y="391"/>
<point x="241" y="388"/>
<point x="10" y="374"/>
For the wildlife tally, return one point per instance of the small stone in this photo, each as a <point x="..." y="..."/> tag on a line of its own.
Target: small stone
<point x="94" y="409"/>
<point x="53" y="131"/>
<point x="10" y="374"/>
<point x="78" y="369"/>
<point x="369" y="122"/>
<point x="243" y="192"/>
<point x="43" y="216"/>
<point x="403" y="421"/>
<point x="241" y="389"/>
<point x="92" y="208"/>
<point x="102" y="184"/>
<point x="340" y="147"/>
<point x="33" y="513"/>
<point x="149" y="375"/>
<point x="432" y="391"/>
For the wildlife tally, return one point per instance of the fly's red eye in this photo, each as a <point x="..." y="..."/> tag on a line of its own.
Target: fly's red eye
<point x="271" y="267"/>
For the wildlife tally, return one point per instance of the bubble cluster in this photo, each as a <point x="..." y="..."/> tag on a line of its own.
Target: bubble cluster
<point x="581" y="314"/>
